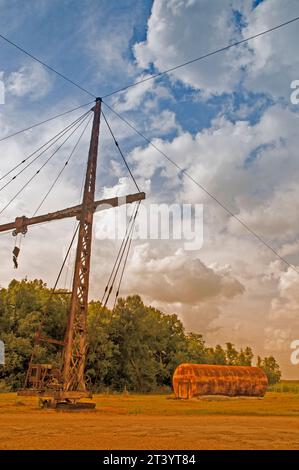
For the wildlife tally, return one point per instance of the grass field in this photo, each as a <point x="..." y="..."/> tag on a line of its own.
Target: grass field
<point x="286" y="386"/>
<point x="156" y="422"/>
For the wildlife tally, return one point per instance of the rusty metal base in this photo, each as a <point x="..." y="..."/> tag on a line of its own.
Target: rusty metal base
<point x="60" y="400"/>
<point x="65" y="405"/>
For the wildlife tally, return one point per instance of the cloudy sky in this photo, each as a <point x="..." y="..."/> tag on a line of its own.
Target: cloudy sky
<point x="227" y="120"/>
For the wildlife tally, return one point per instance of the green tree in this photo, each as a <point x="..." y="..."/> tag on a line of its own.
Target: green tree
<point x="150" y="345"/>
<point x="134" y="330"/>
<point x="245" y="357"/>
<point x="231" y="355"/>
<point x="271" y="368"/>
<point x="133" y="346"/>
<point x="22" y="307"/>
<point x="102" y="351"/>
<point x="219" y="356"/>
<point x="196" y="350"/>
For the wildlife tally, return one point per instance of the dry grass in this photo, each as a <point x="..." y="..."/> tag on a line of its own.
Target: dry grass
<point x="273" y="404"/>
<point x="286" y="386"/>
<point x="154" y="422"/>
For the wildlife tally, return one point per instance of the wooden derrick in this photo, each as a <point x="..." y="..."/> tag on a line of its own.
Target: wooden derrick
<point x="191" y="380"/>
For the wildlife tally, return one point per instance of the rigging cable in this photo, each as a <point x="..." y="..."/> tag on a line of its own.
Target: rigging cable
<point x="117" y="257"/>
<point x="124" y="267"/>
<point x="162" y="153"/>
<point x="45" y="311"/>
<point x="126" y="244"/>
<point x="47" y="145"/>
<point x="39" y="170"/>
<point x="121" y="153"/>
<point x="187" y="174"/>
<point x="45" y="121"/>
<point x="204" y="56"/>
<point x="153" y="76"/>
<point x="16" y="250"/>
<point x="46" y="65"/>
<point x="63" y="168"/>
<point x="209" y="54"/>
<point x="70" y="256"/>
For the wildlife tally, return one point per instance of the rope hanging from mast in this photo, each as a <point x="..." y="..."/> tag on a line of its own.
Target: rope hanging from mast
<point x="64" y="166"/>
<point x="126" y="258"/>
<point x="124" y="250"/>
<point x="120" y="151"/>
<point x="74" y="129"/>
<point x="45" y="146"/>
<point x="122" y="257"/>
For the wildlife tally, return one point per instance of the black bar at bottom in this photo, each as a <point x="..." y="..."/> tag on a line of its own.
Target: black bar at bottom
<point x="147" y="458"/>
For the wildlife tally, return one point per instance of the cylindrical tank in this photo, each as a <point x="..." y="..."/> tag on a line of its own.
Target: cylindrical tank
<point x="191" y="380"/>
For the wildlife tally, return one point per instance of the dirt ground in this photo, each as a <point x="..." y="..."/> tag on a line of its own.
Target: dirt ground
<point x="153" y="422"/>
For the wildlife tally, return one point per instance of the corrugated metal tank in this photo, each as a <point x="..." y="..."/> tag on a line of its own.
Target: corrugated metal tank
<point x="191" y="380"/>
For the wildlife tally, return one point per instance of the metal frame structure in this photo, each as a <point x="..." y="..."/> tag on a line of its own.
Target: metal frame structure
<point x="64" y="388"/>
<point x="75" y="338"/>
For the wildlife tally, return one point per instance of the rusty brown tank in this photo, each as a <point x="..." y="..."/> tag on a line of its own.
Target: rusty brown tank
<point x="191" y="380"/>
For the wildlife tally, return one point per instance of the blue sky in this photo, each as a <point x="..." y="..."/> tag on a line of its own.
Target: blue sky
<point x="62" y="34"/>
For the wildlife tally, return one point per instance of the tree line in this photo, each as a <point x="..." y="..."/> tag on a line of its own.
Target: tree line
<point x="134" y="347"/>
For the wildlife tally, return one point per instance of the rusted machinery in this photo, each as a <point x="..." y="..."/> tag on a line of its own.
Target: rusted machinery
<point x="64" y="387"/>
<point x="191" y="380"/>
